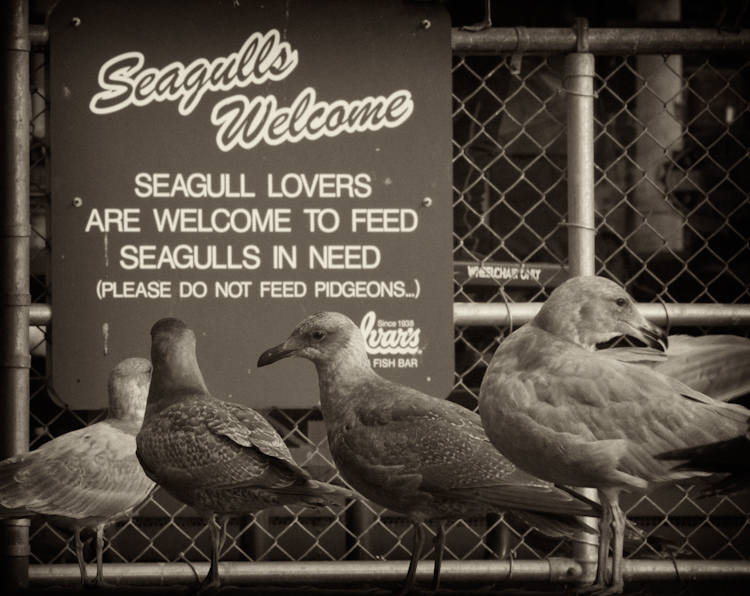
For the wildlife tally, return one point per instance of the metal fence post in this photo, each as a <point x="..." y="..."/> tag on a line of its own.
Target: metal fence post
<point x="579" y="88"/>
<point x="14" y="270"/>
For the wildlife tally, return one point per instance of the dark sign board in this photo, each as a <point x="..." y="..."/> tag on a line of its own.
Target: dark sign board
<point x="241" y="165"/>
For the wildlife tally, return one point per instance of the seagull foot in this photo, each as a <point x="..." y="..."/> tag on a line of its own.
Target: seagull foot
<point x="208" y="586"/>
<point x="405" y="590"/>
<point x="600" y="589"/>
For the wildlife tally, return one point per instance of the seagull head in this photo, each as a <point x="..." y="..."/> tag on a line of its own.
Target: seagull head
<point x="171" y="341"/>
<point x="176" y="369"/>
<point x="323" y="338"/>
<point x="128" y="389"/>
<point x="167" y="332"/>
<point x="590" y="310"/>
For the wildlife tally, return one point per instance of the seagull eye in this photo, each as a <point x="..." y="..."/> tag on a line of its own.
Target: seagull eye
<point x="621" y="302"/>
<point x="318" y="335"/>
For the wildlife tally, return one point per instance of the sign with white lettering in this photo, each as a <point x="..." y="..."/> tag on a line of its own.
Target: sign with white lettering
<point x="241" y="165"/>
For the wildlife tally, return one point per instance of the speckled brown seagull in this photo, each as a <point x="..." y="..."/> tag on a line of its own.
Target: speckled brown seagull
<point x="564" y="412"/>
<point x="421" y="456"/>
<point x="220" y="458"/>
<point x="90" y="477"/>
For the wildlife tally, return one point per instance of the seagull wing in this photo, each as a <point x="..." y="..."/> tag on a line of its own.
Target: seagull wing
<point x="598" y="421"/>
<point x="202" y="444"/>
<point x="715" y="365"/>
<point x="91" y="472"/>
<point x="255" y="431"/>
<point x="410" y="443"/>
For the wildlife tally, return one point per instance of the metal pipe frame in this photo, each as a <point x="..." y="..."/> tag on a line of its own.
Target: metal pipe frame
<point x="663" y="314"/>
<point x="15" y="230"/>
<point x="579" y="89"/>
<point x="549" y="40"/>
<point x="581" y="43"/>
<point x="474" y="314"/>
<point x="602" y="41"/>
<point x="288" y="573"/>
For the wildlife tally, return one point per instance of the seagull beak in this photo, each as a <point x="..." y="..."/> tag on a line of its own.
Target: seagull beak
<point x="652" y="335"/>
<point x="274" y="354"/>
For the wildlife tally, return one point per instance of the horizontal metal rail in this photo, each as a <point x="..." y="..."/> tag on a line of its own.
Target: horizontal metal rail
<point x="553" y="570"/>
<point x="598" y="41"/>
<point x="467" y="314"/>
<point x="40" y="314"/>
<point x="662" y="40"/>
<point x="473" y="314"/>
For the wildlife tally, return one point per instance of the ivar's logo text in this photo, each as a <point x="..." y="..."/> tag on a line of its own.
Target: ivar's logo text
<point x="391" y="338"/>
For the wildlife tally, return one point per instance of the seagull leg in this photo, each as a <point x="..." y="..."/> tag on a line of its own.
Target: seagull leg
<point x="611" y="530"/>
<point x="618" y="524"/>
<point x="217" y="539"/>
<point x="99" y="582"/>
<point x="415" y="554"/>
<point x="439" y="544"/>
<point x="81" y="560"/>
<point x="605" y="537"/>
<point x="224" y="522"/>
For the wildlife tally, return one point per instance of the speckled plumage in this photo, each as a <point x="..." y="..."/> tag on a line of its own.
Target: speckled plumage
<point x="222" y="459"/>
<point x="562" y="411"/>
<point x="415" y="454"/>
<point x="87" y="478"/>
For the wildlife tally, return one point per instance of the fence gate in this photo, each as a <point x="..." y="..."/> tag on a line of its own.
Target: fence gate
<point x="576" y="151"/>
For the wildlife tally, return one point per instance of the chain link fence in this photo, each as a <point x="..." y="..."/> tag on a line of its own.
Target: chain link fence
<point x="672" y="220"/>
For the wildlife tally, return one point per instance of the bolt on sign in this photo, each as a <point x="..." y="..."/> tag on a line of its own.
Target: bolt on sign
<point x="241" y="165"/>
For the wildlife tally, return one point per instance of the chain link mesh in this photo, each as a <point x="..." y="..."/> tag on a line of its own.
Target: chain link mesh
<point x="672" y="217"/>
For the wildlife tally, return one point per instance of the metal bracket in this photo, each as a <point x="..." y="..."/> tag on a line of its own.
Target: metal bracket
<point x="582" y="35"/>
<point x="522" y="44"/>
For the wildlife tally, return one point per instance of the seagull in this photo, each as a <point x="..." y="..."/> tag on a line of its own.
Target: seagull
<point x="415" y="454"/>
<point x="568" y="414"/>
<point x="86" y="478"/>
<point x="222" y="459"/>
<point x="730" y="457"/>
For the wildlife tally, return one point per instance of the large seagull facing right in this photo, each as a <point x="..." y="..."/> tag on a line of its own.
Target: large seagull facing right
<point x="564" y="412"/>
